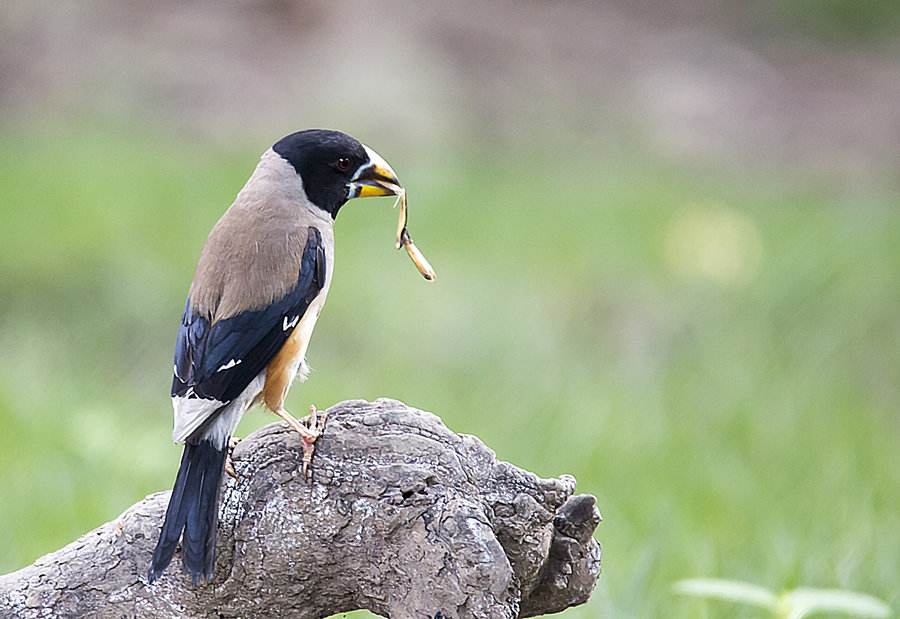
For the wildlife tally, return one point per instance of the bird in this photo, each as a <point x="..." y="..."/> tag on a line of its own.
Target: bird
<point x="257" y="291"/>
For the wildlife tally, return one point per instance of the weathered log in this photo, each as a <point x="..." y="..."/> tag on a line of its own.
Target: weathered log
<point x="402" y="517"/>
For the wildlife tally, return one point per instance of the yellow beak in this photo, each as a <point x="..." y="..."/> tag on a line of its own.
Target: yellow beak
<point x="374" y="178"/>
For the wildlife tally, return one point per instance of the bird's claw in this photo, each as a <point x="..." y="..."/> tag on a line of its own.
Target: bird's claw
<point x="315" y="423"/>
<point x="309" y="429"/>
<point x="229" y="462"/>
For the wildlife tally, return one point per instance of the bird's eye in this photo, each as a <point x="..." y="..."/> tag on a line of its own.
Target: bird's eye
<point x="342" y="164"/>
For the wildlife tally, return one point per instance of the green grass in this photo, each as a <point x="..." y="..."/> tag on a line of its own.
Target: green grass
<point x="715" y="357"/>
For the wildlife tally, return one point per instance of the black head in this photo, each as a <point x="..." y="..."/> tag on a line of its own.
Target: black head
<point x="329" y="163"/>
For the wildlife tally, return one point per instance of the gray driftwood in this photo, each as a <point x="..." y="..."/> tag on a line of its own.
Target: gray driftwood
<point x="402" y="517"/>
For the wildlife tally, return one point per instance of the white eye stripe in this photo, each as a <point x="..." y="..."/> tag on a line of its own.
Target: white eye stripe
<point x="290" y="325"/>
<point x="374" y="159"/>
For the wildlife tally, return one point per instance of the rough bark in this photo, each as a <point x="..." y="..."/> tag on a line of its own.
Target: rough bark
<point x="402" y="517"/>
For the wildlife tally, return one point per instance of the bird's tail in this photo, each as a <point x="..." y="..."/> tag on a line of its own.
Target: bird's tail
<point x="193" y="508"/>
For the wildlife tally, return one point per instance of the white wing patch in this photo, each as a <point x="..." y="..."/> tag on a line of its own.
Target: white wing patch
<point x="229" y="365"/>
<point x="290" y="325"/>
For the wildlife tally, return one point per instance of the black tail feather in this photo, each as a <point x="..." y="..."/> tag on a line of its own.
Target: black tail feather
<point x="193" y="509"/>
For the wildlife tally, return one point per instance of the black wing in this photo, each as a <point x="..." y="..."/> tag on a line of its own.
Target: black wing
<point x="218" y="362"/>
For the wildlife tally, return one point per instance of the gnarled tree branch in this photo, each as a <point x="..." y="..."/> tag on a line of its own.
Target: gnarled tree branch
<point x="402" y="517"/>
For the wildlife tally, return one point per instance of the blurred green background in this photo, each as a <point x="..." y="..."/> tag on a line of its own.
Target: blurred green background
<point x="668" y="255"/>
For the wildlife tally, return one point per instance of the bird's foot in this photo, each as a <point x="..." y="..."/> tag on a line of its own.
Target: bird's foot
<point x="309" y="430"/>
<point x="229" y="463"/>
<point x="315" y="422"/>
